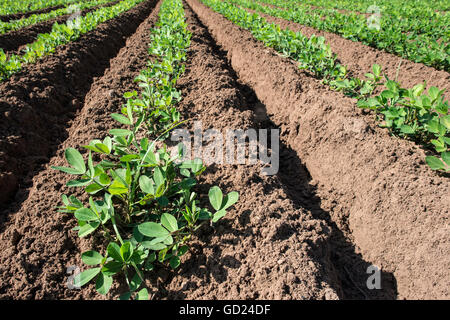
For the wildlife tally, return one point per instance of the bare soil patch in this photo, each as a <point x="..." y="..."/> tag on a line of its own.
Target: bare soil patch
<point x="377" y="188"/>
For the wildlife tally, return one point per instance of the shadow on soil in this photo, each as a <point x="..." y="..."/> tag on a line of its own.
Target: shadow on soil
<point x="346" y="264"/>
<point x="349" y="266"/>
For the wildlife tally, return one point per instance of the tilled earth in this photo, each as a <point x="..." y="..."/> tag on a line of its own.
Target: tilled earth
<point x="347" y="195"/>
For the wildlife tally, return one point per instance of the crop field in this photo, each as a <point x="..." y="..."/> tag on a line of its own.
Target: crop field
<point x="224" y="149"/>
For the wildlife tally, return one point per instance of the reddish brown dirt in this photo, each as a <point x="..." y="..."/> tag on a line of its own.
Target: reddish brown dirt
<point x="377" y="188"/>
<point x="37" y="244"/>
<point x="309" y="232"/>
<point x="37" y="103"/>
<point x="268" y="246"/>
<point x="14" y="40"/>
<point x="16" y="16"/>
<point x="359" y="58"/>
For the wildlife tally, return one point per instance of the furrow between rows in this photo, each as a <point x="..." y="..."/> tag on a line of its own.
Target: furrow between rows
<point x="377" y="188"/>
<point x="37" y="244"/>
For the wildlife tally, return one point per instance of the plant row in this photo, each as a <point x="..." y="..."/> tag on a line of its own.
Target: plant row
<point x="406" y="18"/>
<point x="142" y="199"/>
<point x="417" y="8"/>
<point x="23" y="6"/>
<point x="13" y="25"/>
<point x="409" y="113"/>
<point x="61" y="34"/>
<point x="425" y="41"/>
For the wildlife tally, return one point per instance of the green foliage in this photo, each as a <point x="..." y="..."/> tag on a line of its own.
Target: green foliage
<point x="22" y="6"/>
<point x="313" y="54"/>
<point x="406" y="113"/>
<point x="410" y="113"/>
<point x="36" y="18"/>
<point x="61" y="34"/>
<point x="418" y="34"/>
<point x="142" y="199"/>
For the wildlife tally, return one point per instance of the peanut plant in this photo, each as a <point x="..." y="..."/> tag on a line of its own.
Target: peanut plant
<point x="410" y="113"/>
<point x="142" y="199"/>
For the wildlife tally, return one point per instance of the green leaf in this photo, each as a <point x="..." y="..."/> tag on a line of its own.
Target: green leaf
<point x="218" y="215"/>
<point x="85" y="214"/>
<point x="78" y="183"/>
<point x="75" y="159"/>
<point x="117" y="187"/>
<point x="155" y="247"/>
<point x="435" y="163"/>
<point x="143" y="294"/>
<point x="215" y="197"/>
<point x="445" y="121"/>
<point x="103" y="283"/>
<point x="376" y="68"/>
<point x="158" y="177"/>
<point x="129" y="157"/>
<point x="204" y="214"/>
<point x="104" y="179"/>
<point x="119" y="132"/>
<point x="87" y="276"/>
<point x="120" y="118"/>
<point x="126" y="251"/>
<point x="407" y="129"/>
<point x="446" y="157"/>
<point x="93" y="188"/>
<point x="102" y="148"/>
<point x="163" y="201"/>
<point x="433" y="126"/>
<point x="114" y="251"/>
<point x="174" y="262"/>
<point x="230" y="199"/>
<point x="88" y="228"/>
<point x="125" y="296"/>
<point x="439" y="145"/>
<point x="152" y="229"/>
<point x="182" y="250"/>
<point x="387" y="94"/>
<point x="67" y="170"/>
<point x="135" y="282"/>
<point x="91" y="258"/>
<point x="433" y="92"/>
<point x="170" y="222"/>
<point x="111" y="268"/>
<point x="146" y="185"/>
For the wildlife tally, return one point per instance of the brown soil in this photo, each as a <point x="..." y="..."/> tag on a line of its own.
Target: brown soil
<point x="16" y="16"/>
<point x="14" y="40"/>
<point x="37" y="244"/>
<point x="359" y="58"/>
<point x="377" y="188"/>
<point x="269" y="246"/>
<point x="309" y="232"/>
<point x="37" y="103"/>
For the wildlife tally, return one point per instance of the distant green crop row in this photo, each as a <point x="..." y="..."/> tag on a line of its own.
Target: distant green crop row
<point x="13" y="25"/>
<point x="419" y="40"/>
<point x="409" y="7"/>
<point x="408" y="113"/>
<point x="402" y="17"/>
<point x="23" y="6"/>
<point x="60" y="34"/>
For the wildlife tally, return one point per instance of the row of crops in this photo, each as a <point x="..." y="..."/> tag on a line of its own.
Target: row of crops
<point x="148" y="210"/>
<point x="17" y="24"/>
<point x="14" y="6"/>
<point x="424" y="40"/>
<point x="409" y="113"/>
<point x="60" y="34"/>
<point x="407" y="8"/>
